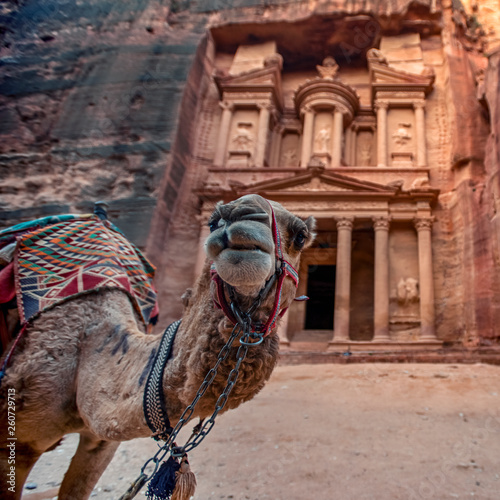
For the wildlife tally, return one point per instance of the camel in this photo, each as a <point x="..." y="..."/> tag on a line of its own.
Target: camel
<point x="80" y="366"/>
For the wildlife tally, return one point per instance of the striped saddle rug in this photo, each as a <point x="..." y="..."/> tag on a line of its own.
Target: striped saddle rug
<point x="50" y="260"/>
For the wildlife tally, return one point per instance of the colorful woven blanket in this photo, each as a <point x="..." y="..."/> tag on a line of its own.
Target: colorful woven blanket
<point x="62" y="257"/>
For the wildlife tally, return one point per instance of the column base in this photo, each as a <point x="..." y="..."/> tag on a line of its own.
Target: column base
<point x="381" y="345"/>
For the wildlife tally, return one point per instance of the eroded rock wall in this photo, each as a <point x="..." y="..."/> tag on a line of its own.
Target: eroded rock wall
<point x="103" y="101"/>
<point x="90" y="100"/>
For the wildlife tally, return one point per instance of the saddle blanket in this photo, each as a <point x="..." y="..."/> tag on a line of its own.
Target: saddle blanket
<point x="59" y="258"/>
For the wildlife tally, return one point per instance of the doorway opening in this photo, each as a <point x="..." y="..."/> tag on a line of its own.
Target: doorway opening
<point x="321" y="293"/>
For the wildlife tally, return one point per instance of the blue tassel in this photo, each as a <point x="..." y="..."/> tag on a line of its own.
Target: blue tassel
<point x="162" y="484"/>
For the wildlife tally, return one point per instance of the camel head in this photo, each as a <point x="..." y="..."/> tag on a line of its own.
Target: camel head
<point x="242" y="246"/>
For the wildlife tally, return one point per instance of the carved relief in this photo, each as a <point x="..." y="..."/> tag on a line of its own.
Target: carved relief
<point x="289" y="150"/>
<point x="407" y="313"/>
<point x="316" y="185"/>
<point x="365" y="155"/>
<point x="407" y="291"/>
<point x="376" y="56"/>
<point x="322" y="140"/>
<point x="243" y="140"/>
<point x="402" y="135"/>
<point x="290" y="157"/>
<point x="329" y="69"/>
<point x="309" y="207"/>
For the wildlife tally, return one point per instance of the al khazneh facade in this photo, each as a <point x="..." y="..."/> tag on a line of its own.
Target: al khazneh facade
<point x="350" y="148"/>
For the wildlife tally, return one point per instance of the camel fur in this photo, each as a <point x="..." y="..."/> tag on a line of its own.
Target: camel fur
<point x="82" y="366"/>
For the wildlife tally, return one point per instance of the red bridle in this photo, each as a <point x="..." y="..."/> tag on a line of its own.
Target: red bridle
<point x="283" y="269"/>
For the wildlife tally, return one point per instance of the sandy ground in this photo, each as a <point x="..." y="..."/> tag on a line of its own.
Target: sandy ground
<point x="343" y="432"/>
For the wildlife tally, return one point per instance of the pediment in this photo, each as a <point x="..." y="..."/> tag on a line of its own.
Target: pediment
<point x="383" y="74"/>
<point x="385" y="78"/>
<point x="318" y="181"/>
<point x="264" y="77"/>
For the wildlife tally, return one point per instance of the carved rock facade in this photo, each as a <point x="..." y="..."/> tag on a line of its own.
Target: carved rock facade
<point x="379" y="118"/>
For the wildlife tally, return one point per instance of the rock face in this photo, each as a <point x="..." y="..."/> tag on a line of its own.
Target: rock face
<point x="127" y="105"/>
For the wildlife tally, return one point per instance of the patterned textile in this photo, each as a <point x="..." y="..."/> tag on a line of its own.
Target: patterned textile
<point x="73" y="256"/>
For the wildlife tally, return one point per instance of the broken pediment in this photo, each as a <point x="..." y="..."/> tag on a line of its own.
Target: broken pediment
<point x="253" y="80"/>
<point x="383" y="74"/>
<point x="251" y="57"/>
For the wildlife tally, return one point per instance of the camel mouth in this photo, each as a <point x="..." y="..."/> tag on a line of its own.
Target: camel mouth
<point x="244" y="265"/>
<point x="247" y="256"/>
<point x="249" y="248"/>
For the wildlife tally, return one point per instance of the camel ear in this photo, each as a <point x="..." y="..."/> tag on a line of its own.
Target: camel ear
<point x="311" y="228"/>
<point x="186" y="297"/>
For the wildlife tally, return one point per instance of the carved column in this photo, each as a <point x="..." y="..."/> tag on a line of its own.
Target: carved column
<point x="420" y="131"/>
<point x="354" y="139"/>
<point x="427" y="319"/>
<point x="307" y="136"/>
<point x="338" y="128"/>
<point x="348" y="148"/>
<point x="204" y="233"/>
<point x="260" y="150"/>
<point x="381" y="299"/>
<point x="381" y="108"/>
<point x="220" y="147"/>
<point x="276" y="151"/>
<point x="343" y="279"/>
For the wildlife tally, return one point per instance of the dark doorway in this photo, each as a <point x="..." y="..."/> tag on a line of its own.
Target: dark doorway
<point x="321" y="293"/>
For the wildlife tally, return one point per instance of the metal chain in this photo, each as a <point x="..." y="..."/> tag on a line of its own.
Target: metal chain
<point x="247" y="339"/>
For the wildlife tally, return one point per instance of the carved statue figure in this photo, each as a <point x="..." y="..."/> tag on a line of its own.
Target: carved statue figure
<point x="376" y="56"/>
<point x="402" y="136"/>
<point x="243" y="139"/>
<point x="329" y="69"/>
<point x="366" y="155"/>
<point x="407" y="291"/>
<point x="322" y="140"/>
<point x="290" y="157"/>
<point x="80" y="366"/>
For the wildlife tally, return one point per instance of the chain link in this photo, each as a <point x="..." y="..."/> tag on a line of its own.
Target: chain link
<point x="247" y="339"/>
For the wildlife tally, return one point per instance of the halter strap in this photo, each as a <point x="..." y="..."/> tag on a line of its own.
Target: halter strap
<point x="283" y="269"/>
<point x="154" y="398"/>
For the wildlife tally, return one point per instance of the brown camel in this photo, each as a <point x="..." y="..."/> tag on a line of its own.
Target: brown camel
<point x="80" y="366"/>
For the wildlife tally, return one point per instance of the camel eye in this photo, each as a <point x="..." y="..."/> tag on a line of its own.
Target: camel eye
<point x="213" y="225"/>
<point x="300" y="239"/>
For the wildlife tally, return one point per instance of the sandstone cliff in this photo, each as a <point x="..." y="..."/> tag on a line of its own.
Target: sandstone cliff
<point x="100" y="101"/>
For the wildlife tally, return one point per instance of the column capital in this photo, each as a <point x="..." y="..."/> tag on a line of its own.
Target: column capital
<point x="226" y="105"/>
<point x="306" y="109"/>
<point x="265" y="105"/>
<point x="423" y="223"/>
<point x="381" y="223"/>
<point x="279" y="128"/>
<point x="381" y="105"/>
<point x="419" y="104"/>
<point x="345" y="222"/>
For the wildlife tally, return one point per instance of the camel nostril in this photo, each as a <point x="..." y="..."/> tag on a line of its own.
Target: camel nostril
<point x="224" y="240"/>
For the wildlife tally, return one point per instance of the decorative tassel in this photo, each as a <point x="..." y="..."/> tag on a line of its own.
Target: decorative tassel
<point x="162" y="484"/>
<point x="185" y="481"/>
<point x="172" y="481"/>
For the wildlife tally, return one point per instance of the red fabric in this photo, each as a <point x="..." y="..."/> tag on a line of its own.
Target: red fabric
<point x="287" y="270"/>
<point x="7" y="284"/>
